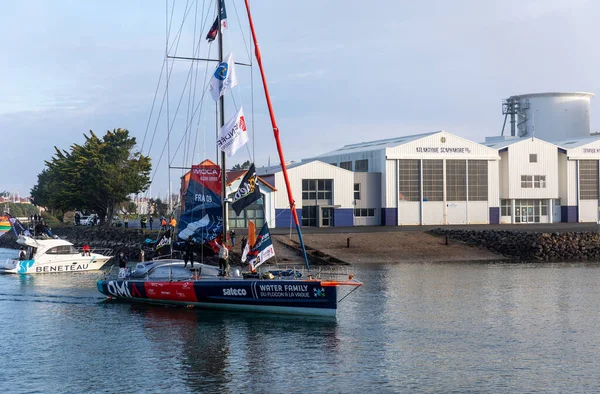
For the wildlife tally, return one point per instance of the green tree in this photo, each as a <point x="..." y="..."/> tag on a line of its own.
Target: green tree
<point x="158" y="207"/>
<point x="97" y="176"/>
<point x="242" y="166"/>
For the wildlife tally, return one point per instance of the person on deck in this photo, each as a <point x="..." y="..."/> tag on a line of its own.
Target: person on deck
<point x="232" y="237"/>
<point x="173" y="223"/>
<point x="22" y="254"/>
<point x="39" y="229"/>
<point x="86" y="250"/>
<point x="223" y="259"/>
<point x="189" y="252"/>
<point x="243" y="243"/>
<point x="163" y="224"/>
<point x="123" y="265"/>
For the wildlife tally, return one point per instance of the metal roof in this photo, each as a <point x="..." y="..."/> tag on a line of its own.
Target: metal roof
<point x="375" y="145"/>
<point x="576" y="142"/>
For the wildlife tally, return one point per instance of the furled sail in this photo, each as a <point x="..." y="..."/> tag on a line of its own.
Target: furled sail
<point x="202" y="218"/>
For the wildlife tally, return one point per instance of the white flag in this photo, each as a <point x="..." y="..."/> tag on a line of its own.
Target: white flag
<point x="233" y="134"/>
<point x="223" y="78"/>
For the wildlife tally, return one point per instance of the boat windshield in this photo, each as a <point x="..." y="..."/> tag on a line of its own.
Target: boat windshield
<point x="63" y="249"/>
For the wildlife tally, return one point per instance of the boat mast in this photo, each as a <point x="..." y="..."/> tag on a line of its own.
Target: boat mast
<point x="221" y="123"/>
<point x="276" y="134"/>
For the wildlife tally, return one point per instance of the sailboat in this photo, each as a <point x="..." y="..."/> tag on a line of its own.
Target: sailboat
<point x="289" y="291"/>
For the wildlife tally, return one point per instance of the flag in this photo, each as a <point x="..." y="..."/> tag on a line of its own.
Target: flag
<point x="223" y="78"/>
<point x="248" y="192"/>
<point x="212" y="33"/>
<point x="262" y="249"/>
<point x="233" y="134"/>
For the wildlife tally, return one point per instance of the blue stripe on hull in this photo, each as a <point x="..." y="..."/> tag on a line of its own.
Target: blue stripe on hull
<point x="287" y="296"/>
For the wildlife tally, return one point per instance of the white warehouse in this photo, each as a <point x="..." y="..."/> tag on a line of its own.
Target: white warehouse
<point x="440" y="178"/>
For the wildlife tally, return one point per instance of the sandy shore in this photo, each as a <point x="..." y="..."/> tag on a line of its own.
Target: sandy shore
<point x="392" y="247"/>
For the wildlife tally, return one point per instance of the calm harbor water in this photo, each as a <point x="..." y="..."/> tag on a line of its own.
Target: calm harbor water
<point x="411" y="328"/>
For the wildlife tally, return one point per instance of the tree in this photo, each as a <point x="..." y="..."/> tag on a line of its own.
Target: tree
<point x="245" y="165"/>
<point x="158" y="207"/>
<point x="98" y="175"/>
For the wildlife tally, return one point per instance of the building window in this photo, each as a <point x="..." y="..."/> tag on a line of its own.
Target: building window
<point x="533" y="157"/>
<point x="433" y="180"/>
<point x="309" y="216"/>
<point x="533" y="181"/>
<point x="588" y="179"/>
<point x="408" y="180"/>
<point x="346" y="165"/>
<point x="317" y="189"/>
<point x="539" y="181"/>
<point x="357" y="191"/>
<point x="456" y="180"/>
<point x="254" y="212"/>
<point x="361" y="165"/>
<point x="364" y="212"/>
<point x="505" y="208"/>
<point x="478" y="180"/>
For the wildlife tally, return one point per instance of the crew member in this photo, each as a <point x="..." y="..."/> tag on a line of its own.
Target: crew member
<point x="223" y="259"/>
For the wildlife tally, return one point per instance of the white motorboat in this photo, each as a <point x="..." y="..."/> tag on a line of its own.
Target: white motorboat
<point x="53" y="255"/>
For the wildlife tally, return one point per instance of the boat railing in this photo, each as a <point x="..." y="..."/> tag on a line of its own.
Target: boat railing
<point x="324" y="273"/>
<point x="103" y="251"/>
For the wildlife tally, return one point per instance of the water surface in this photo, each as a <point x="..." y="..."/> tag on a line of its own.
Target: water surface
<point x="410" y="328"/>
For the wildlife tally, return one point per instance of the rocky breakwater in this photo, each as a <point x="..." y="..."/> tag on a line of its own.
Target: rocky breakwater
<point x="117" y="239"/>
<point x="526" y="246"/>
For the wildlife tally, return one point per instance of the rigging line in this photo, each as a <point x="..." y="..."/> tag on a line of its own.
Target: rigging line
<point x="189" y="123"/>
<point x="185" y="153"/>
<point x="195" y="82"/>
<point x="165" y="96"/>
<point x="186" y="12"/>
<point x="162" y="69"/>
<point x="242" y="31"/>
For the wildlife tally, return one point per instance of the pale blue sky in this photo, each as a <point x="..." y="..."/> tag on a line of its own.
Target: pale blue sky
<point x="339" y="71"/>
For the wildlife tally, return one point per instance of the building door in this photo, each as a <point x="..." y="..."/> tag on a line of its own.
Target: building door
<point x="309" y="216"/>
<point x="326" y="217"/>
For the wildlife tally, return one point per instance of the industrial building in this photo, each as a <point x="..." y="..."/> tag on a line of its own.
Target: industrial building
<point x="545" y="171"/>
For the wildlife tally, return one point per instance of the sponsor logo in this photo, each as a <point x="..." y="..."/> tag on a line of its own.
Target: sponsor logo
<point x="319" y="292"/>
<point x="118" y="288"/>
<point x="234" y="292"/>
<point x="221" y="71"/>
<point x="202" y="198"/>
<point x="62" y="268"/>
<point x="206" y="171"/>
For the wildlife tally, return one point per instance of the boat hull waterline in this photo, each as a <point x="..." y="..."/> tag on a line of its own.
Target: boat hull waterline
<point x="87" y="263"/>
<point x="296" y="297"/>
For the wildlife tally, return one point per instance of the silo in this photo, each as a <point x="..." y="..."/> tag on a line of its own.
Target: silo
<point x="551" y="116"/>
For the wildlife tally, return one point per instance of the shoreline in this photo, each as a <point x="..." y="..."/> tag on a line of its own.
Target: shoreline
<point x="331" y="248"/>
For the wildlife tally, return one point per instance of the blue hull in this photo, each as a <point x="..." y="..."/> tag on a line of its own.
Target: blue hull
<point x="272" y="296"/>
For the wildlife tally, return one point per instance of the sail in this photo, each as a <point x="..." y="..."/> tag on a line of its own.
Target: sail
<point x="202" y="218"/>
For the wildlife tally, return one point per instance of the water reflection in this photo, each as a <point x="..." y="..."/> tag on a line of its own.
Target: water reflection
<point x="217" y="349"/>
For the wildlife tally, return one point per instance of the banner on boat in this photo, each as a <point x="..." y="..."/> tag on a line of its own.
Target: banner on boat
<point x="223" y="78"/>
<point x="262" y="249"/>
<point x="203" y="217"/>
<point x="233" y="134"/>
<point x="248" y="192"/>
<point x="212" y="33"/>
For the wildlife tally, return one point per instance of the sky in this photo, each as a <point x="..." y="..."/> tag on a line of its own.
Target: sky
<point x="339" y="72"/>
